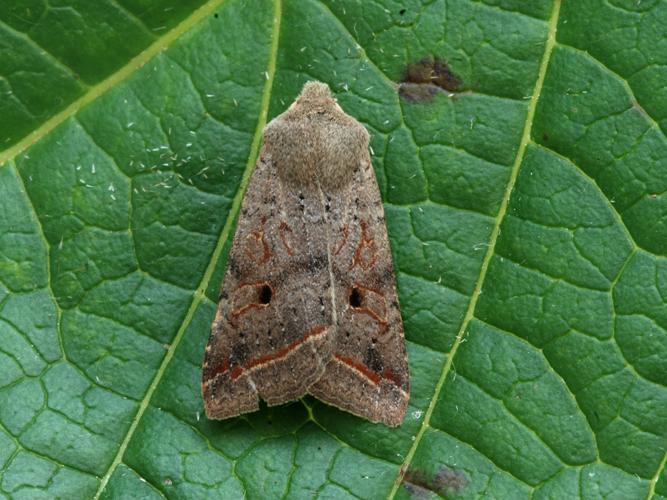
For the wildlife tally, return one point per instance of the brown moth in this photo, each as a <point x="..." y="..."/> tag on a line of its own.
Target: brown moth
<point x="308" y="303"/>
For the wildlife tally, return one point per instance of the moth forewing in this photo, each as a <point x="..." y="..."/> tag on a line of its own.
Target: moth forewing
<point x="308" y="302"/>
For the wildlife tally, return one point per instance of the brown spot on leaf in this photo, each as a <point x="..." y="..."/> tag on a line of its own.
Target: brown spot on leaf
<point x="417" y="92"/>
<point x="417" y="492"/>
<point x="445" y="482"/>
<point x="426" y="78"/>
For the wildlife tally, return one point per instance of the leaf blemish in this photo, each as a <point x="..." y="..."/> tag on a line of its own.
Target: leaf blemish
<point x="426" y="78"/>
<point x="445" y="482"/>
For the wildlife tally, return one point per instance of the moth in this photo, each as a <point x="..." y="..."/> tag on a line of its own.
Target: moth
<point x="308" y="303"/>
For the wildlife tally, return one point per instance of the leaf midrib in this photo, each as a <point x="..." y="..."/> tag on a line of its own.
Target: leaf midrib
<point x="525" y="140"/>
<point x="200" y="293"/>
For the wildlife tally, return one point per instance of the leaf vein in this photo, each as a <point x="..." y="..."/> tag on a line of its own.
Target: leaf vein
<point x="200" y="293"/>
<point x="548" y="47"/>
<point x="652" y="121"/>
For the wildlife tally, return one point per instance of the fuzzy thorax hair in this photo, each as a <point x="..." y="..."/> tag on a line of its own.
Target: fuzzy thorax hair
<point x="314" y="141"/>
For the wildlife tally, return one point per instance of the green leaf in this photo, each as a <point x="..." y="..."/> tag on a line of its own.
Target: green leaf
<point x="527" y="215"/>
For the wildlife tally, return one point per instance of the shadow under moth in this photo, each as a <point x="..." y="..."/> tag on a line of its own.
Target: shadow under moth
<point x="308" y="303"/>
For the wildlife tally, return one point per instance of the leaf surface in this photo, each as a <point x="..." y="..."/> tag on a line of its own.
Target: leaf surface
<point x="527" y="215"/>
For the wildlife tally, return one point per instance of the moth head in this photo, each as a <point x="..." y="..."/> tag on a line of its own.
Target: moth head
<point x="315" y="101"/>
<point x="313" y="94"/>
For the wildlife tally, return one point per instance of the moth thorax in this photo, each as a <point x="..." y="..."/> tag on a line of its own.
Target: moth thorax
<point x="330" y="169"/>
<point x="316" y="149"/>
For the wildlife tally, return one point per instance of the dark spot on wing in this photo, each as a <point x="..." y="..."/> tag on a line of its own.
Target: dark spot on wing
<point x="265" y="294"/>
<point x="235" y="268"/>
<point x="239" y="354"/>
<point x="356" y="297"/>
<point x="387" y="274"/>
<point x="318" y="262"/>
<point x="311" y="265"/>
<point x="373" y="359"/>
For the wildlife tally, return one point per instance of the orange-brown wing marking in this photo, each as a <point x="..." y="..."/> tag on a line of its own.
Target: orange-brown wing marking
<point x="257" y="247"/>
<point x="364" y="300"/>
<point x="276" y="355"/>
<point x="366" y="253"/>
<point x="346" y="232"/>
<point x="251" y="296"/>
<point x="284" y="229"/>
<point x="373" y="377"/>
<point x="361" y="368"/>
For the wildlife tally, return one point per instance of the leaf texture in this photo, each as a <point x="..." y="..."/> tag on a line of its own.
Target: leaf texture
<point x="526" y="209"/>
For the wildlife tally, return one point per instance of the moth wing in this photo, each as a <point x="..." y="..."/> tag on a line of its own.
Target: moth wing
<point x="368" y="372"/>
<point x="272" y="335"/>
